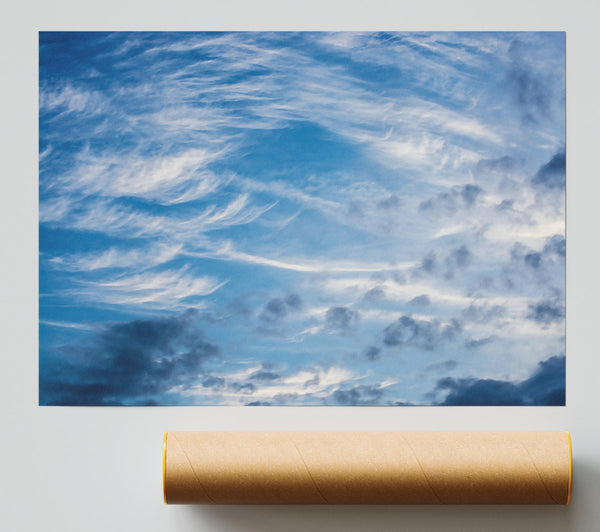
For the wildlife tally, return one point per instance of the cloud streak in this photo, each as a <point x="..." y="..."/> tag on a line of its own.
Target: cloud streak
<point x="168" y="289"/>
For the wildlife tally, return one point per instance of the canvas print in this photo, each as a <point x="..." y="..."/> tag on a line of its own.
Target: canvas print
<point x="274" y="218"/>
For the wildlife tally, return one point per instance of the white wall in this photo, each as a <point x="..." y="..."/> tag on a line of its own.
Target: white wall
<point x="97" y="469"/>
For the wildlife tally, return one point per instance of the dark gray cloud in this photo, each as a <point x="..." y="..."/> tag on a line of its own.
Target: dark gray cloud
<point x="470" y="193"/>
<point x="505" y="205"/>
<point x="546" y="311"/>
<point x="420" y="301"/>
<point x="458" y="259"/>
<point x="213" y="382"/>
<point x="286" y="398"/>
<point x="293" y="301"/>
<point x="446" y="365"/>
<point x="429" y="263"/>
<point x="278" y="308"/>
<point x="547" y="384"/>
<point x="341" y="319"/>
<point x="391" y="202"/>
<point x="274" y="310"/>
<point x="480" y="392"/>
<point x="533" y="259"/>
<point x="398" y="277"/>
<point x="553" y="173"/>
<point x="407" y="331"/>
<point x="243" y="387"/>
<point x="476" y="344"/>
<point x="133" y="362"/>
<point x="531" y="92"/>
<point x="546" y="387"/>
<point x="375" y="294"/>
<point x="373" y="352"/>
<point x="445" y="201"/>
<point x="359" y="395"/>
<point x="555" y="245"/>
<point x="378" y="277"/>
<point x="355" y="210"/>
<point x="241" y="306"/>
<point x="461" y="257"/>
<point x="273" y="315"/>
<point x="502" y="165"/>
<point x="483" y="312"/>
<point x="264" y="376"/>
<point x="448" y="202"/>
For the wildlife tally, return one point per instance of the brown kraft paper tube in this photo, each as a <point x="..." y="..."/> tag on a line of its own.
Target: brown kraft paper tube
<point x="367" y="468"/>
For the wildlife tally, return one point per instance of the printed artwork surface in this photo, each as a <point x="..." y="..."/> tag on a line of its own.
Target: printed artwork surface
<point x="302" y="218"/>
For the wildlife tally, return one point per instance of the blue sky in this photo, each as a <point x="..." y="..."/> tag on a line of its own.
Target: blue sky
<point x="302" y="218"/>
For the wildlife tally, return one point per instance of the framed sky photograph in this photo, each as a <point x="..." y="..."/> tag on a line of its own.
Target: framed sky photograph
<point x="264" y="218"/>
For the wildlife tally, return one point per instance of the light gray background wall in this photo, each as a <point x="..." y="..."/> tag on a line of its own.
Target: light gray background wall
<point x="97" y="469"/>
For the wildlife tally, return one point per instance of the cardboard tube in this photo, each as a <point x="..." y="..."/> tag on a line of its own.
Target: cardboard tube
<point x="367" y="468"/>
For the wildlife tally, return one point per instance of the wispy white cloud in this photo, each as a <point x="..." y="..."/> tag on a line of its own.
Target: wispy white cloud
<point x="69" y="325"/>
<point x="54" y="209"/>
<point x="71" y="99"/>
<point x="168" y="179"/>
<point x="117" y="258"/>
<point x="167" y="289"/>
<point x="294" y="87"/>
<point x="47" y="151"/>
<point x="117" y="219"/>
<point x="226" y="251"/>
